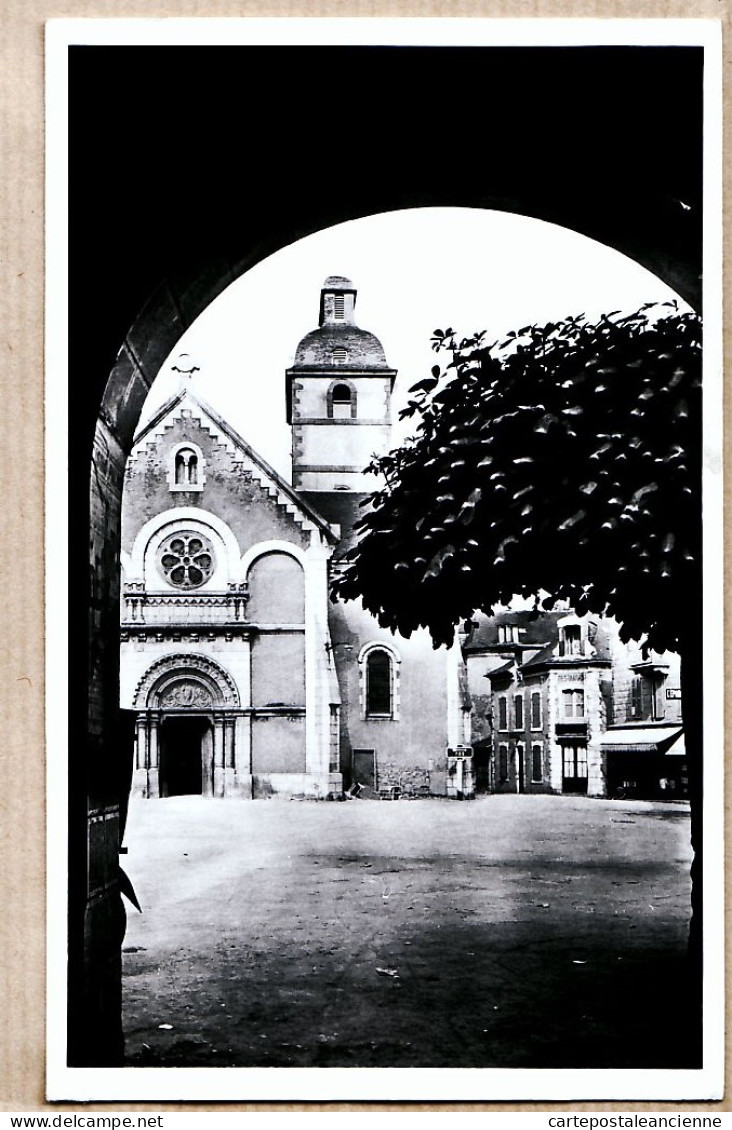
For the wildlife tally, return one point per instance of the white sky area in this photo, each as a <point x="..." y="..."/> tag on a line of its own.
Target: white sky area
<point x="414" y="271"/>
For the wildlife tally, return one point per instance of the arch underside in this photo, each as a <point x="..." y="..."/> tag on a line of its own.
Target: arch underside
<point x="587" y="162"/>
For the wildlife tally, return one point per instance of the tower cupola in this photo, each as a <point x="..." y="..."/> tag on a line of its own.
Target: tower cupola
<point x="338" y="342"/>
<point x="338" y="399"/>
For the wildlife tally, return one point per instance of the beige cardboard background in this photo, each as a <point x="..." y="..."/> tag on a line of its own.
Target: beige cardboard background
<point x="22" y="762"/>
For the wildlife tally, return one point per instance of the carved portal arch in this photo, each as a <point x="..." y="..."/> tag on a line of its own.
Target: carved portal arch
<point x="185" y="681"/>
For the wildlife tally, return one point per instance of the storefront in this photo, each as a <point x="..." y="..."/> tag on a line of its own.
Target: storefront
<point x="645" y="761"/>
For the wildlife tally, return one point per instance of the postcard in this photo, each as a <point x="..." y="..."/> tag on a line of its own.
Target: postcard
<point x="385" y="716"/>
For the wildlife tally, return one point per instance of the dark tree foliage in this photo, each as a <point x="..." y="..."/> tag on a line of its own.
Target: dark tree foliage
<point x="561" y="463"/>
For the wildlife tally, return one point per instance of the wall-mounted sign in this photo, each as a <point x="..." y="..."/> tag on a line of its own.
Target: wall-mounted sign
<point x="673" y="692"/>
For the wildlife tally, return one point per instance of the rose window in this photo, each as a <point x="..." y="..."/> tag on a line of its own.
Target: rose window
<point x="186" y="559"/>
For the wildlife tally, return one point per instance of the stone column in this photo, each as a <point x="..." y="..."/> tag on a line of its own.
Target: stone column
<point x="153" y="746"/>
<point x="229" y="771"/>
<point x="218" y="756"/>
<point x="153" y="741"/>
<point x="141" y="749"/>
<point x="140" y="784"/>
<point x="229" y="754"/>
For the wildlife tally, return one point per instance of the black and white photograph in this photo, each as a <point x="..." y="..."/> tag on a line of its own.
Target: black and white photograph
<point x="384" y="402"/>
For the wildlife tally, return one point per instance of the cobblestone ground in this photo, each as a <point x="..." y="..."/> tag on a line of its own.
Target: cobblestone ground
<point x="503" y="932"/>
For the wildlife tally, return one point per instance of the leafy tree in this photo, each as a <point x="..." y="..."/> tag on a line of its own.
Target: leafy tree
<point x="561" y="463"/>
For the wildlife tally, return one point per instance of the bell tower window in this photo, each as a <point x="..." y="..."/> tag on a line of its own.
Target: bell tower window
<point x="339" y="307"/>
<point x="342" y="401"/>
<point x="185" y="470"/>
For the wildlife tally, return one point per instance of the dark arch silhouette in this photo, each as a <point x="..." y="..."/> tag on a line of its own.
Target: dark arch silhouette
<point x="182" y="176"/>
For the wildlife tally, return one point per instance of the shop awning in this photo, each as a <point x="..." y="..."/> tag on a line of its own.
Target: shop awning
<point x="643" y="739"/>
<point x="677" y="748"/>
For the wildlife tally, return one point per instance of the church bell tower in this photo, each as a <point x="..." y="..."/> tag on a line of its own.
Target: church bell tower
<point x="339" y="393"/>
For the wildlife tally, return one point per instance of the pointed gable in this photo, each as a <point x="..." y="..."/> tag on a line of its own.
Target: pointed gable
<point x="229" y="478"/>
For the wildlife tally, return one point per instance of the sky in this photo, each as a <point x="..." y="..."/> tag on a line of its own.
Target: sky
<point x="414" y="271"/>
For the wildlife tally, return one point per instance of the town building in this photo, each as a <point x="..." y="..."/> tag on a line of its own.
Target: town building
<point x="561" y="705"/>
<point x="643" y="751"/>
<point x="245" y="679"/>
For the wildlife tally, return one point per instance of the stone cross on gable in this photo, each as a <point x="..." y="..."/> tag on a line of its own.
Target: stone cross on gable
<point x="185" y="366"/>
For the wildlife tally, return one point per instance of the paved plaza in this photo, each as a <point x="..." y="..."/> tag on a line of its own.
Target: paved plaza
<point x="510" y="931"/>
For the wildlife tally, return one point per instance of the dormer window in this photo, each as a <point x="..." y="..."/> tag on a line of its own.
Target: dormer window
<point x="185" y="470"/>
<point x="570" y="642"/>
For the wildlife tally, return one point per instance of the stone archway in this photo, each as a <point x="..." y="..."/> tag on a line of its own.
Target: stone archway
<point x="186" y="702"/>
<point x="185" y="679"/>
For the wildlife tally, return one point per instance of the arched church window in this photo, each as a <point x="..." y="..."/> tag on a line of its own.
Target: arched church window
<point x="186" y="468"/>
<point x="379" y="683"/>
<point x="339" y="356"/>
<point x="186" y="559"/>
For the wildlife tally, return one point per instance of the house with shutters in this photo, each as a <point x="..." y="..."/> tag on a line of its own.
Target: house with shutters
<point x="244" y="678"/>
<point x="561" y="705"/>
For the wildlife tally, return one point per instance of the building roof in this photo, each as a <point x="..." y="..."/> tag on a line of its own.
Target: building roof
<point x="502" y="670"/>
<point x="536" y="642"/>
<point x="339" y="344"/>
<point x="339" y="508"/>
<point x="338" y="283"/>
<point x="546" y="655"/>
<point x="537" y="629"/>
<point x="320" y="348"/>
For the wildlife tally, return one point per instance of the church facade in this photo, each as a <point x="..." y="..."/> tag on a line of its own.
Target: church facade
<point x="245" y="679"/>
